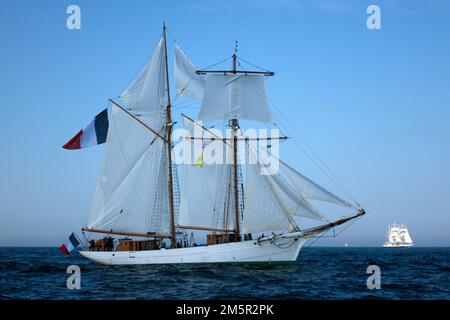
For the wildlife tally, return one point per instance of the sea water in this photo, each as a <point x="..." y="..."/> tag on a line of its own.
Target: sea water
<point x="319" y="273"/>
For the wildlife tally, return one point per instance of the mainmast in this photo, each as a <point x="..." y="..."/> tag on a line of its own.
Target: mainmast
<point x="169" y="146"/>
<point x="234" y="128"/>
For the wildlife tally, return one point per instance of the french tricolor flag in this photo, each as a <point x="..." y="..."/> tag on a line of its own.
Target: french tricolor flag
<point x="71" y="244"/>
<point x="95" y="133"/>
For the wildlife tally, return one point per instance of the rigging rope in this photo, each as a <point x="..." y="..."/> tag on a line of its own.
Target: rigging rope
<point x="253" y="65"/>
<point x="320" y="164"/>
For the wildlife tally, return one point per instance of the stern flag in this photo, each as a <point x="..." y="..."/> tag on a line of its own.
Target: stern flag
<point x="95" y="133"/>
<point x="71" y="244"/>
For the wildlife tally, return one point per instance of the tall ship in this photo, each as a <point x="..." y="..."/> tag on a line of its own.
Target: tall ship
<point x="246" y="213"/>
<point x="398" y="237"/>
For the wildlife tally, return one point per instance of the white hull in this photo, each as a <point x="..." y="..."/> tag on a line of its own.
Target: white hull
<point x="397" y="245"/>
<point x="282" y="248"/>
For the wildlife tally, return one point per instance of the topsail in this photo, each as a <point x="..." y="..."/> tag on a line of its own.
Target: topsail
<point x="146" y="94"/>
<point x="189" y="84"/>
<point x="235" y="96"/>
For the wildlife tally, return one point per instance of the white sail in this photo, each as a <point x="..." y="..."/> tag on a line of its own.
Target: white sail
<point x="404" y="235"/>
<point x="128" y="194"/>
<point x="271" y="201"/>
<point x="308" y="189"/>
<point x="398" y="237"/>
<point x="408" y="239"/>
<point x="262" y="211"/>
<point x="291" y="202"/>
<point x="204" y="201"/>
<point x="235" y="96"/>
<point x="200" y="199"/>
<point x="392" y="234"/>
<point x="146" y="93"/>
<point x="188" y="83"/>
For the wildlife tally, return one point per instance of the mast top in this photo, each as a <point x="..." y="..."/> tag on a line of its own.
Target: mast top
<point x="234" y="66"/>
<point x="235" y="56"/>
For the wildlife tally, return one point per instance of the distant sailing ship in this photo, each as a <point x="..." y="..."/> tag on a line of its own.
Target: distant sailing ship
<point x="398" y="237"/>
<point x="137" y="194"/>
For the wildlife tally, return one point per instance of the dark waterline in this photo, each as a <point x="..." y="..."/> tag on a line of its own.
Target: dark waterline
<point x="320" y="273"/>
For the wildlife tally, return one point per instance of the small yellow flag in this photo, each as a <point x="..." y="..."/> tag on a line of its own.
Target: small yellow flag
<point x="199" y="161"/>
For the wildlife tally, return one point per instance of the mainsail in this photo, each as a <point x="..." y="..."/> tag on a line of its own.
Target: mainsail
<point x="132" y="194"/>
<point x="127" y="191"/>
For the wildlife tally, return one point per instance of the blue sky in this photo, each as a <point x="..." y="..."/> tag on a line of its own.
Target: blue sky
<point x="374" y="104"/>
